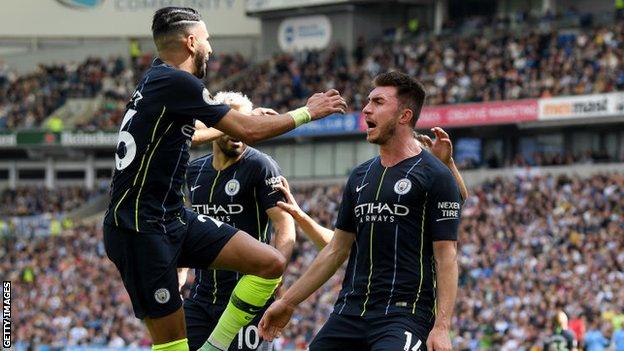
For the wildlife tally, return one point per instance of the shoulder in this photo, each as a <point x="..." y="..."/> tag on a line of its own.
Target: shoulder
<point x="180" y="76"/>
<point x="436" y="170"/>
<point x="198" y="162"/>
<point x="259" y="159"/>
<point x="183" y="82"/>
<point x="262" y="168"/>
<point x="362" y="169"/>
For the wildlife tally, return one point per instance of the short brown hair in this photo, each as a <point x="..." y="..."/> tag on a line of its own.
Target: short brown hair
<point x="410" y="92"/>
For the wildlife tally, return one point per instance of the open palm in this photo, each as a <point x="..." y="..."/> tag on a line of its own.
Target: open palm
<point x="441" y="146"/>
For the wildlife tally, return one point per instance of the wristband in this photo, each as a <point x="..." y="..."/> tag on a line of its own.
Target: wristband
<point x="300" y="116"/>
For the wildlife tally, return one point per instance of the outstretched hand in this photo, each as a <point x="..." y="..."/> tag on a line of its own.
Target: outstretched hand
<point x="291" y="206"/>
<point x="275" y="319"/>
<point x="324" y="104"/>
<point x="441" y="146"/>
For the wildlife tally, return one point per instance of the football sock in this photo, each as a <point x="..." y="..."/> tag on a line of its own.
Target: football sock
<point x="248" y="298"/>
<point x="178" y="345"/>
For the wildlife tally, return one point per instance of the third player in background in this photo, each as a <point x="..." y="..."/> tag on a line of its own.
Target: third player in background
<point x="233" y="184"/>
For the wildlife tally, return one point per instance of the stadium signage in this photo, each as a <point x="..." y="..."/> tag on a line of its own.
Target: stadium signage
<point x="33" y="138"/>
<point x="331" y="125"/>
<point x="308" y="32"/>
<point x="88" y="139"/>
<point x="273" y="5"/>
<point x="92" y="18"/>
<point x="80" y="4"/>
<point x="8" y="139"/>
<point x="500" y="112"/>
<point x="598" y="105"/>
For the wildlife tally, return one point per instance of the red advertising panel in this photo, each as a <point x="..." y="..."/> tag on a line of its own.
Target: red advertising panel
<point x="476" y="114"/>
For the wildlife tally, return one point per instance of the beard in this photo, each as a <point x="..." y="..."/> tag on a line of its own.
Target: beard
<point x="200" y="66"/>
<point x="227" y="151"/>
<point x="384" y="134"/>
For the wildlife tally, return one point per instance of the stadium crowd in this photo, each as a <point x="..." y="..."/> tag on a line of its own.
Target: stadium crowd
<point x="454" y="69"/>
<point x="36" y="200"/>
<point x="27" y="100"/>
<point x="117" y="91"/>
<point x="528" y="248"/>
<point x="542" y="159"/>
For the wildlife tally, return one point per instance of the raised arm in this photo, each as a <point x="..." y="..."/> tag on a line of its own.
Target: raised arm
<point x="252" y="129"/>
<point x="322" y="268"/>
<point x="442" y="148"/>
<point x="284" y="231"/>
<point x="204" y="135"/>
<point x="319" y="235"/>
<point x="190" y="98"/>
<point x="463" y="190"/>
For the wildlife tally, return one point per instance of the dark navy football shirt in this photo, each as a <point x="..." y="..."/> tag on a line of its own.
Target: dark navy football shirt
<point x="152" y="149"/>
<point x="396" y="214"/>
<point x="239" y="196"/>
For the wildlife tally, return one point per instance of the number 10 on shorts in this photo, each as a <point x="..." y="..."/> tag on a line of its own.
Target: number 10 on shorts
<point x="249" y="338"/>
<point x="408" y="342"/>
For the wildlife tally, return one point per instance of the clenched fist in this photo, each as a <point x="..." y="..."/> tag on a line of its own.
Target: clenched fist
<point x="324" y="104"/>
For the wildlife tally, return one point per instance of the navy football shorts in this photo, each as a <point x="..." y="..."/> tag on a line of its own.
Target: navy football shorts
<point x="394" y="332"/>
<point x="148" y="262"/>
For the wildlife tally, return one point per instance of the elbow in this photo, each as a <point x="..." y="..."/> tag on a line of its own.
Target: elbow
<point x="341" y="255"/>
<point x="246" y="134"/>
<point x="251" y="136"/>
<point x="447" y="258"/>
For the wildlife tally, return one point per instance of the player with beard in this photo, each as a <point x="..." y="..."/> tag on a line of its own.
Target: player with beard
<point x="441" y="147"/>
<point x="397" y="224"/>
<point x="234" y="185"/>
<point x="148" y="233"/>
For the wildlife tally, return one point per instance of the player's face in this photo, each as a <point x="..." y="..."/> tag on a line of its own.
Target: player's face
<point x="381" y="115"/>
<point x="202" y="50"/>
<point x="230" y="147"/>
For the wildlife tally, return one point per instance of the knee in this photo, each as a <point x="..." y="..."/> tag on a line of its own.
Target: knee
<point x="274" y="266"/>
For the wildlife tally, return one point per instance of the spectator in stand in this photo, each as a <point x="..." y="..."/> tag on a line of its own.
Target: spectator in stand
<point x="527" y="242"/>
<point x="617" y="340"/>
<point x="538" y="62"/>
<point x="454" y="69"/>
<point x="30" y="200"/>
<point x="530" y="246"/>
<point x="595" y="339"/>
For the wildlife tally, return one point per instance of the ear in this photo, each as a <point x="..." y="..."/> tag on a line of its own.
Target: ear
<point x="406" y="116"/>
<point x="191" y="43"/>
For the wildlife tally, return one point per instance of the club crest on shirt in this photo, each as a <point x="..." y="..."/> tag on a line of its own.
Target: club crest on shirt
<point x="402" y="186"/>
<point x="232" y="187"/>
